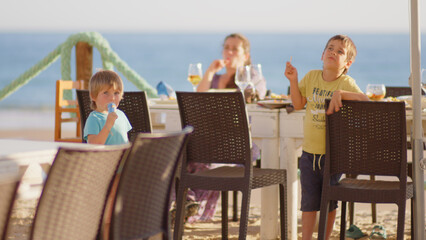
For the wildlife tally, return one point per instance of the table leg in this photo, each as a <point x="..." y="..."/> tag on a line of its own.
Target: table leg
<point x="288" y="160"/>
<point x="269" y="228"/>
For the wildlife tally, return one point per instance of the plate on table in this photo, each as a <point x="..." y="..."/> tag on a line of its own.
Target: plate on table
<point x="274" y="103"/>
<point x="409" y="100"/>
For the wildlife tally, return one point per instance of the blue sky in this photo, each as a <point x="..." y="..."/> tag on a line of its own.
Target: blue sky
<point x="196" y="16"/>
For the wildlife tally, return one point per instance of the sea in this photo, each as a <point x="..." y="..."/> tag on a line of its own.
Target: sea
<point x="382" y="58"/>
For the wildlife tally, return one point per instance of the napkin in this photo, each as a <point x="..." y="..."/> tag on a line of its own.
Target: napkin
<point x="165" y="91"/>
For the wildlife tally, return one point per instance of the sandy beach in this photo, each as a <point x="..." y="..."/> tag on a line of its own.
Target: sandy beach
<point x="39" y="126"/>
<point x="387" y="216"/>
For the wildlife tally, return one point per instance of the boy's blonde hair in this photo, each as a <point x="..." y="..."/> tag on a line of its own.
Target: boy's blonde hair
<point x="102" y="79"/>
<point x="349" y="45"/>
<point x="246" y="44"/>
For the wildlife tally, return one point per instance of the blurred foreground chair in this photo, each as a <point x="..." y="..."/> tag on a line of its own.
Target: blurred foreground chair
<point x="67" y="110"/>
<point x="143" y="195"/>
<point x="72" y="203"/>
<point x="9" y="182"/>
<point x="133" y="104"/>
<point x="366" y="138"/>
<point x="221" y="135"/>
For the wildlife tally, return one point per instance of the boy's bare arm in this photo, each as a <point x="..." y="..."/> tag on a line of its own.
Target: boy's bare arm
<point x="339" y="95"/>
<point x="102" y="136"/>
<point x="296" y="97"/>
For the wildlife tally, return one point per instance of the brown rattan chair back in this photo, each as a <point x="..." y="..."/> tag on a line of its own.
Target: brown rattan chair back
<point x="72" y="203"/>
<point x="221" y="135"/>
<point x="366" y="138"/>
<point x="399" y="91"/>
<point x="133" y="104"/>
<point x="143" y="196"/>
<point x="9" y="182"/>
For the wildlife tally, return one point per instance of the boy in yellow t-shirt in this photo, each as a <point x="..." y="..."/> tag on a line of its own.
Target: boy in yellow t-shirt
<point x="329" y="83"/>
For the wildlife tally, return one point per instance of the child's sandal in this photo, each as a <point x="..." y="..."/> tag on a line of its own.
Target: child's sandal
<point x="379" y="232"/>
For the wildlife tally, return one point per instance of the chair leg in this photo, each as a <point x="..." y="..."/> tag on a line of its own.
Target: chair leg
<point x="224" y="214"/>
<point x="373" y="205"/>
<point x="351" y="212"/>
<point x="245" y="203"/>
<point x="283" y="211"/>
<point x="373" y="213"/>
<point x="179" y="218"/>
<point x="412" y="218"/>
<point x="235" y="206"/>
<point x="401" y="221"/>
<point x="322" y="226"/>
<point x="343" y="221"/>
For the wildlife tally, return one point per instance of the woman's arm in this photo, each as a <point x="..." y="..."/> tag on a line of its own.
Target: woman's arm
<point x="214" y="67"/>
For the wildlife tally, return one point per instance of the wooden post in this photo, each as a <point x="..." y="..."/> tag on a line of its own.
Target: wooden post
<point x="84" y="62"/>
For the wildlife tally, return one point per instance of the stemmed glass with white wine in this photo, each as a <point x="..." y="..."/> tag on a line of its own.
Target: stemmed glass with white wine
<point x="195" y="74"/>
<point x="243" y="77"/>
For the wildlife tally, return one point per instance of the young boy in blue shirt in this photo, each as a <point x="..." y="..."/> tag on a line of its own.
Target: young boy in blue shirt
<point x="317" y="85"/>
<point x="103" y="126"/>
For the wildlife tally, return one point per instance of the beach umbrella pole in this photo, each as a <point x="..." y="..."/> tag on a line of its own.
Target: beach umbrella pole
<point x="417" y="136"/>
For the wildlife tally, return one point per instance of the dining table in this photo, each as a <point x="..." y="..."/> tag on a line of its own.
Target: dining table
<point x="279" y="135"/>
<point x="33" y="159"/>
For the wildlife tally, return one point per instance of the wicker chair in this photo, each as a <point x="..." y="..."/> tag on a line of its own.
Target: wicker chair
<point x="143" y="196"/>
<point x="67" y="107"/>
<point x="9" y="182"/>
<point x="366" y="138"/>
<point x="397" y="91"/>
<point x="133" y="104"/>
<point x="221" y="135"/>
<point x="390" y="92"/>
<point x="72" y="203"/>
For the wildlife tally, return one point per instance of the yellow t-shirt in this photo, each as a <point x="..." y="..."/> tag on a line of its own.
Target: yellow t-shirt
<point x="316" y="90"/>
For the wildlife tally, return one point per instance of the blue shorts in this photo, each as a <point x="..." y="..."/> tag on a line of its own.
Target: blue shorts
<point x="311" y="177"/>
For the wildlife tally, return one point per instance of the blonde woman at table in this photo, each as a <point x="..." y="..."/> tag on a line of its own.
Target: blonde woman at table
<point x="317" y="85"/>
<point x="235" y="53"/>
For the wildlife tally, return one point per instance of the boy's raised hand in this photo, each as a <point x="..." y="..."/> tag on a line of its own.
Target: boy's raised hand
<point x="290" y="72"/>
<point x="112" y="116"/>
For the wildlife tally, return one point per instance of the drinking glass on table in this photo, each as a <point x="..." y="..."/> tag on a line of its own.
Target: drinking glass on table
<point x="376" y="91"/>
<point x="255" y="72"/>
<point x="243" y="77"/>
<point x="195" y="74"/>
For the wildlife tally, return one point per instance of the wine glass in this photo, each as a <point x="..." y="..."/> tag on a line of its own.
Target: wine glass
<point x="195" y="73"/>
<point x="256" y="72"/>
<point x="376" y="91"/>
<point x="243" y="77"/>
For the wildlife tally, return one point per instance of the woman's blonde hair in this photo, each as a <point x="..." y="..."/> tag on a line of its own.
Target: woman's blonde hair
<point x="349" y="45"/>
<point x="102" y="79"/>
<point x="246" y="44"/>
